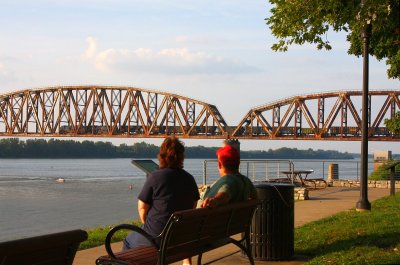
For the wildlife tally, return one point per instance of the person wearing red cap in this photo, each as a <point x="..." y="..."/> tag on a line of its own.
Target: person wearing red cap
<point x="231" y="186"/>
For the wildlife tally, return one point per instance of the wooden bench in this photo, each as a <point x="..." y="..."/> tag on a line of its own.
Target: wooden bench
<point x="58" y="249"/>
<point x="189" y="233"/>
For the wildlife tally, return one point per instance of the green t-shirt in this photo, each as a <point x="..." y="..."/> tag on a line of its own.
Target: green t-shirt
<point x="236" y="186"/>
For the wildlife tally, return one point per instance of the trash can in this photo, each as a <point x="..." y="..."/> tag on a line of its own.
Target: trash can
<point x="333" y="173"/>
<point x="272" y="228"/>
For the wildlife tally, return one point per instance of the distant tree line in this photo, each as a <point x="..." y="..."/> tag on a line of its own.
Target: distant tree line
<point x="294" y="153"/>
<point x="53" y="148"/>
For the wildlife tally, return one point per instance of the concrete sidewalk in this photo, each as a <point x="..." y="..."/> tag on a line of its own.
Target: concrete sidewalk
<point x="322" y="203"/>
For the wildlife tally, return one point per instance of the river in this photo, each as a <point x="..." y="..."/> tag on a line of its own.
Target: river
<point x="99" y="192"/>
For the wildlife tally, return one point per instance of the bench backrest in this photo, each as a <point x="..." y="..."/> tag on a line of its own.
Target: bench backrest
<point x="59" y="248"/>
<point x="191" y="230"/>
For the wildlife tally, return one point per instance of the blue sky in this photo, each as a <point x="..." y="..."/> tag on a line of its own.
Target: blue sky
<point x="214" y="51"/>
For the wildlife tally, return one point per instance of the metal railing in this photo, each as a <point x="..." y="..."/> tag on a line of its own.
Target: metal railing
<point x="258" y="170"/>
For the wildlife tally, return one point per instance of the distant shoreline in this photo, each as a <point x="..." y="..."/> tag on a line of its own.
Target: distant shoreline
<point x="54" y="148"/>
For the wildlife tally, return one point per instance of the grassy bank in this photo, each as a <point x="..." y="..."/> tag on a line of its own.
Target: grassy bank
<point x="346" y="238"/>
<point x="97" y="236"/>
<point x="354" y="237"/>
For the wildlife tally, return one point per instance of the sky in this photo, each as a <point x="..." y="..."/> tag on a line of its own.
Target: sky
<point x="217" y="52"/>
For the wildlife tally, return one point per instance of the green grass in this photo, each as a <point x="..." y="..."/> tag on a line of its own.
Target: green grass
<point x="351" y="237"/>
<point x="383" y="171"/>
<point x="96" y="236"/>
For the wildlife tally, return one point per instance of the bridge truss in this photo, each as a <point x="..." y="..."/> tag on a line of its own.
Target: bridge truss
<point x="97" y="111"/>
<point x="324" y="116"/>
<point x="89" y="111"/>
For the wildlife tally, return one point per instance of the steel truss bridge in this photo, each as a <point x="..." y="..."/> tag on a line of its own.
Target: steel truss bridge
<point x="97" y="111"/>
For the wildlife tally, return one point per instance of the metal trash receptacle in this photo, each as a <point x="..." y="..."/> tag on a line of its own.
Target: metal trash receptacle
<point x="272" y="228"/>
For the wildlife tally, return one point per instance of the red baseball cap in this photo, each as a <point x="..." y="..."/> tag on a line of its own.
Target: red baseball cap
<point x="228" y="155"/>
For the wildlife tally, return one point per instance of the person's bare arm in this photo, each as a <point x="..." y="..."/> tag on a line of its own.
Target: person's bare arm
<point x="143" y="209"/>
<point x="219" y="199"/>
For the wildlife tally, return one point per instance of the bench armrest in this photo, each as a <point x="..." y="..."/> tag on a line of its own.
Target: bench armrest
<point x="128" y="227"/>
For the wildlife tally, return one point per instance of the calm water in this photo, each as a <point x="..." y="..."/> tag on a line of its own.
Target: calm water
<point x="98" y="191"/>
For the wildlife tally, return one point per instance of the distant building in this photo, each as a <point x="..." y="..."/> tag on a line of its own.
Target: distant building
<point x="381" y="156"/>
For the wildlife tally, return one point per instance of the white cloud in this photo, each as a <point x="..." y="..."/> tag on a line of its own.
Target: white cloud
<point x="167" y="61"/>
<point x="184" y="57"/>
<point x="91" y="49"/>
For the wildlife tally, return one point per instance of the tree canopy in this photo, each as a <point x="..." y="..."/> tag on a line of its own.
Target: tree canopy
<point x="311" y="21"/>
<point x="393" y="124"/>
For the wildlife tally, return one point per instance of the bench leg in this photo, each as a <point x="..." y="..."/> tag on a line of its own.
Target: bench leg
<point x="199" y="258"/>
<point x="246" y="250"/>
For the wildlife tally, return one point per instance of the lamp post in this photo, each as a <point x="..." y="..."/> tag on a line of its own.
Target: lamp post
<point x="363" y="204"/>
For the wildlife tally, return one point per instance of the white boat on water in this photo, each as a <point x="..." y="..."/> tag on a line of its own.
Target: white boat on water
<point x="60" y="180"/>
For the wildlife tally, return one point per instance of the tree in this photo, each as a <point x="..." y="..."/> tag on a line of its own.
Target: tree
<point x="393" y="124"/>
<point x="310" y="21"/>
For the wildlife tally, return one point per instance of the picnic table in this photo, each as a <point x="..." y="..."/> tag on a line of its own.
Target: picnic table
<point x="301" y="177"/>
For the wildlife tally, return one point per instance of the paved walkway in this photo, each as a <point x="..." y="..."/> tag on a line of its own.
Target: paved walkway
<point x="322" y="203"/>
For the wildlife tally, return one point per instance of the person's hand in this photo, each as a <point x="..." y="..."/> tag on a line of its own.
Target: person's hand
<point x="219" y="199"/>
<point x="209" y="202"/>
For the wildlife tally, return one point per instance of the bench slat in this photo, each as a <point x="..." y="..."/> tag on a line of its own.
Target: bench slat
<point x="187" y="229"/>
<point x="139" y="255"/>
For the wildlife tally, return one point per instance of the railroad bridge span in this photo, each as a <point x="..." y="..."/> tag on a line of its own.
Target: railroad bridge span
<point x="103" y="111"/>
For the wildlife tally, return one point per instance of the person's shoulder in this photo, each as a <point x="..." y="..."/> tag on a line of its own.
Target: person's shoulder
<point x="230" y="178"/>
<point x="244" y="177"/>
<point x="246" y="180"/>
<point x="236" y="176"/>
<point x="159" y="173"/>
<point x="167" y="172"/>
<point x="184" y="172"/>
